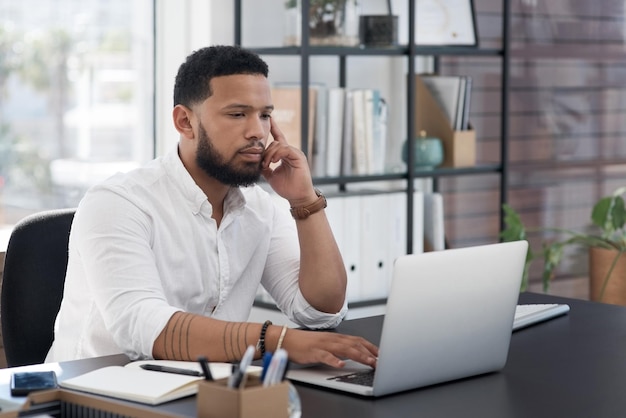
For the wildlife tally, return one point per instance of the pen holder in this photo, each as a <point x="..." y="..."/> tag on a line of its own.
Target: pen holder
<point x="216" y="400"/>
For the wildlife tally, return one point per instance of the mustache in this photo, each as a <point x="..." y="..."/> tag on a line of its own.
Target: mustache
<point x="253" y="146"/>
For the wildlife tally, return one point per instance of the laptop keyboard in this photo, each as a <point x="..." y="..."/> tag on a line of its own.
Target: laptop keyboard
<point x="530" y="314"/>
<point x="364" y="378"/>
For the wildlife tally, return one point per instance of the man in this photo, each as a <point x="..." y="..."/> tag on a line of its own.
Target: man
<point x="165" y="261"/>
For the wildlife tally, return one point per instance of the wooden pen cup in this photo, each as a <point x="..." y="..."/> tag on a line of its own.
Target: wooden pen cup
<point x="216" y="400"/>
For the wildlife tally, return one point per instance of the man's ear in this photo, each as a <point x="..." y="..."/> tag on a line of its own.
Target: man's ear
<point x="182" y="116"/>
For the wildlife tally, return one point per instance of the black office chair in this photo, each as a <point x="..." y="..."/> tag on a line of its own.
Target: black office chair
<point x="33" y="281"/>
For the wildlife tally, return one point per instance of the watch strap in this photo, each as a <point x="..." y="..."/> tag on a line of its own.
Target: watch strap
<point x="303" y="212"/>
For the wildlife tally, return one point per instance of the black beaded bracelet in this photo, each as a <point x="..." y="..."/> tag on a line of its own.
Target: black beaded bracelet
<point x="260" y="345"/>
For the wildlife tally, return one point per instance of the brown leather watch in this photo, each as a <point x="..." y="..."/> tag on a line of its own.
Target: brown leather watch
<point x="303" y="212"/>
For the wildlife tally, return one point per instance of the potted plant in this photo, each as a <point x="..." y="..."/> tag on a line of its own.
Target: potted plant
<point x="331" y="22"/>
<point x="607" y="261"/>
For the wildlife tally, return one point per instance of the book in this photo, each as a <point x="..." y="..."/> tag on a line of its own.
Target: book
<point x="347" y="166"/>
<point x="466" y="104"/>
<point x="320" y="135"/>
<point x="370" y="100"/>
<point x="460" y="108"/>
<point x="459" y="146"/>
<point x="288" y="115"/>
<point x="446" y="90"/>
<point x="334" y="130"/>
<point x="434" y="231"/>
<point x="379" y="138"/>
<point x="360" y="162"/>
<point x="369" y="114"/>
<point x="132" y="383"/>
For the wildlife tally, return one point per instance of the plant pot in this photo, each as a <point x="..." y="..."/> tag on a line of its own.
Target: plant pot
<point x="331" y="22"/>
<point x="600" y="262"/>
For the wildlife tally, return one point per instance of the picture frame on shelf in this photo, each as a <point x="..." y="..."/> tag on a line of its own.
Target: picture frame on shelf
<point x="441" y="23"/>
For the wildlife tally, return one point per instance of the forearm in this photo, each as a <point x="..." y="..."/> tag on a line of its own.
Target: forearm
<point x="322" y="276"/>
<point x="188" y="336"/>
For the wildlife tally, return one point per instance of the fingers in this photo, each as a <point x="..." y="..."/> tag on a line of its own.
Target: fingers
<point x="281" y="151"/>
<point x="278" y="149"/>
<point x="331" y="349"/>
<point x="331" y="360"/>
<point x="276" y="132"/>
<point x="276" y="152"/>
<point x="355" y="348"/>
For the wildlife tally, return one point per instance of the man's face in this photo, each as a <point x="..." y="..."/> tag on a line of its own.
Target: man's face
<point x="233" y="127"/>
<point x="225" y="170"/>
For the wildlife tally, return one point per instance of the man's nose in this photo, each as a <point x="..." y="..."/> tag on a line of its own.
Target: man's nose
<point x="257" y="128"/>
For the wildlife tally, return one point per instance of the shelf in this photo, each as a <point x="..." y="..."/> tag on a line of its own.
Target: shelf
<point x="401" y="51"/>
<point x="459" y="171"/>
<point x="438" y="172"/>
<point x="359" y="179"/>
<point x="405" y="181"/>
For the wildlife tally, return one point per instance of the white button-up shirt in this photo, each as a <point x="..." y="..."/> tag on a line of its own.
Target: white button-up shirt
<point x="143" y="245"/>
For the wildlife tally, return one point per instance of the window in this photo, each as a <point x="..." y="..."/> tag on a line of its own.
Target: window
<point x="76" y="98"/>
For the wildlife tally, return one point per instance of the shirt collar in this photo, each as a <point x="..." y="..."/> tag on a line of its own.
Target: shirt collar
<point x="235" y="199"/>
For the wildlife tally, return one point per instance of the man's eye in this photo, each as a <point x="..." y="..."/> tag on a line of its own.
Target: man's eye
<point x="237" y="114"/>
<point x="266" y="115"/>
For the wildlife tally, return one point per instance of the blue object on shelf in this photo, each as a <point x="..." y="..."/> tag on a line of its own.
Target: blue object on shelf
<point x="428" y="152"/>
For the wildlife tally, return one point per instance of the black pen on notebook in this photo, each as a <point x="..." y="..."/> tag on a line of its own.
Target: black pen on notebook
<point x="167" y="369"/>
<point x="204" y="363"/>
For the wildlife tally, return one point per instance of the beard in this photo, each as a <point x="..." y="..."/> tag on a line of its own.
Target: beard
<point x="226" y="172"/>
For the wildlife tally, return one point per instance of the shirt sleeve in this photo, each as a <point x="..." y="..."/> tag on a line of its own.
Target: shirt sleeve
<point x="113" y="238"/>
<point x="280" y="277"/>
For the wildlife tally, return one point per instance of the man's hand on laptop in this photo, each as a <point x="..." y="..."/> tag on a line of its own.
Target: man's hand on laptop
<point x="307" y="347"/>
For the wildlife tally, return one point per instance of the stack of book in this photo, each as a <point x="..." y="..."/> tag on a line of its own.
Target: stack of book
<point x="441" y="110"/>
<point x="347" y="132"/>
<point x="453" y="93"/>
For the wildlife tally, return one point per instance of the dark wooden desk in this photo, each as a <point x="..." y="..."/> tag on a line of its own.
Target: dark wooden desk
<point x="572" y="366"/>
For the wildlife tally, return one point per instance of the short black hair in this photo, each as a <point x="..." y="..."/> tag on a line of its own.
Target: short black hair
<point x="195" y="74"/>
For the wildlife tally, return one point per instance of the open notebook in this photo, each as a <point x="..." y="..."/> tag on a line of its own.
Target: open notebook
<point x="130" y="382"/>
<point x="449" y="315"/>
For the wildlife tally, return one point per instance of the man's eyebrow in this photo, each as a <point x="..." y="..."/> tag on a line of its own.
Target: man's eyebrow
<point x="243" y="106"/>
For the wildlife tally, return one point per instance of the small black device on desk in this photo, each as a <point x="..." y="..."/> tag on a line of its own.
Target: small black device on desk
<point x="22" y="383"/>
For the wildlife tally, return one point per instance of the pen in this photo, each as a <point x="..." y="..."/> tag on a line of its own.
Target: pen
<point x="276" y="368"/>
<point x="267" y="358"/>
<point x="285" y="370"/>
<point x="237" y="377"/>
<point x="166" y="369"/>
<point x="204" y="363"/>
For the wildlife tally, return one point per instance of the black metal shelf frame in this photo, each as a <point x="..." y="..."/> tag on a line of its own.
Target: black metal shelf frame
<point x="306" y="51"/>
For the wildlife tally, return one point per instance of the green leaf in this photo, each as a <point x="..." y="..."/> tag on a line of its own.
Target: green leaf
<point x="552" y="254"/>
<point x="514" y="230"/>
<point x="618" y="213"/>
<point x="609" y="214"/>
<point x="600" y="215"/>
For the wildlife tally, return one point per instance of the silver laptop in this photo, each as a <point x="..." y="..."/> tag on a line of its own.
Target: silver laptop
<point x="449" y="315"/>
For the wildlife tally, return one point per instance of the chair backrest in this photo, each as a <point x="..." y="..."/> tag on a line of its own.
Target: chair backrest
<point x="33" y="281"/>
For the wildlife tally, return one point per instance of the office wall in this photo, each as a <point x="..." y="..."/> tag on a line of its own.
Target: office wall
<point x="567" y="106"/>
